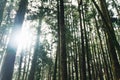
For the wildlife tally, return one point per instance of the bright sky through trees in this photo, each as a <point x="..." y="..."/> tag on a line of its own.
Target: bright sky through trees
<point x="24" y="37"/>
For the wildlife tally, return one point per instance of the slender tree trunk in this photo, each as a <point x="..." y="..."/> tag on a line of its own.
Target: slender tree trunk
<point x="72" y="71"/>
<point x="24" y="69"/>
<point x="58" y="47"/>
<point x="108" y="55"/>
<point x="27" y="68"/>
<point x="20" y="64"/>
<point x="55" y="67"/>
<point x="83" y="61"/>
<point x="99" y="62"/>
<point x="9" y="59"/>
<point x="95" y="68"/>
<point x="63" y="54"/>
<point x="75" y="50"/>
<point x="88" y="54"/>
<point x="69" y="67"/>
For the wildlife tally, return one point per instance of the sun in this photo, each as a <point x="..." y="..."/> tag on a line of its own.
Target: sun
<point x="23" y="38"/>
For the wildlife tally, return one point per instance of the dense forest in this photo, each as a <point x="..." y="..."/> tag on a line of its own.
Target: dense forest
<point x="59" y="40"/>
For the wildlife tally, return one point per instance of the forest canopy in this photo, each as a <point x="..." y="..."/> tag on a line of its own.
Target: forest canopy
<point x="59" y="40"/>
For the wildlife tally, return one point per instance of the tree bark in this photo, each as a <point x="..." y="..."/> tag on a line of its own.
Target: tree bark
<point x="63" y="43"/>
<point x="83" y="61"/>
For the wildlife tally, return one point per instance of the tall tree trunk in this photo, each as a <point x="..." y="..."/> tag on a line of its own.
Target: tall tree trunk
<point x="9" y="59"/>
<point x="20" y="64"/>
<point x="63" y="43"/>
<point x="56" y="62"/>
<point x="58" y="46"/>
<point x="83" y="61"/>
<point x="75" y="50"/>
<point x="88" y="54"/>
